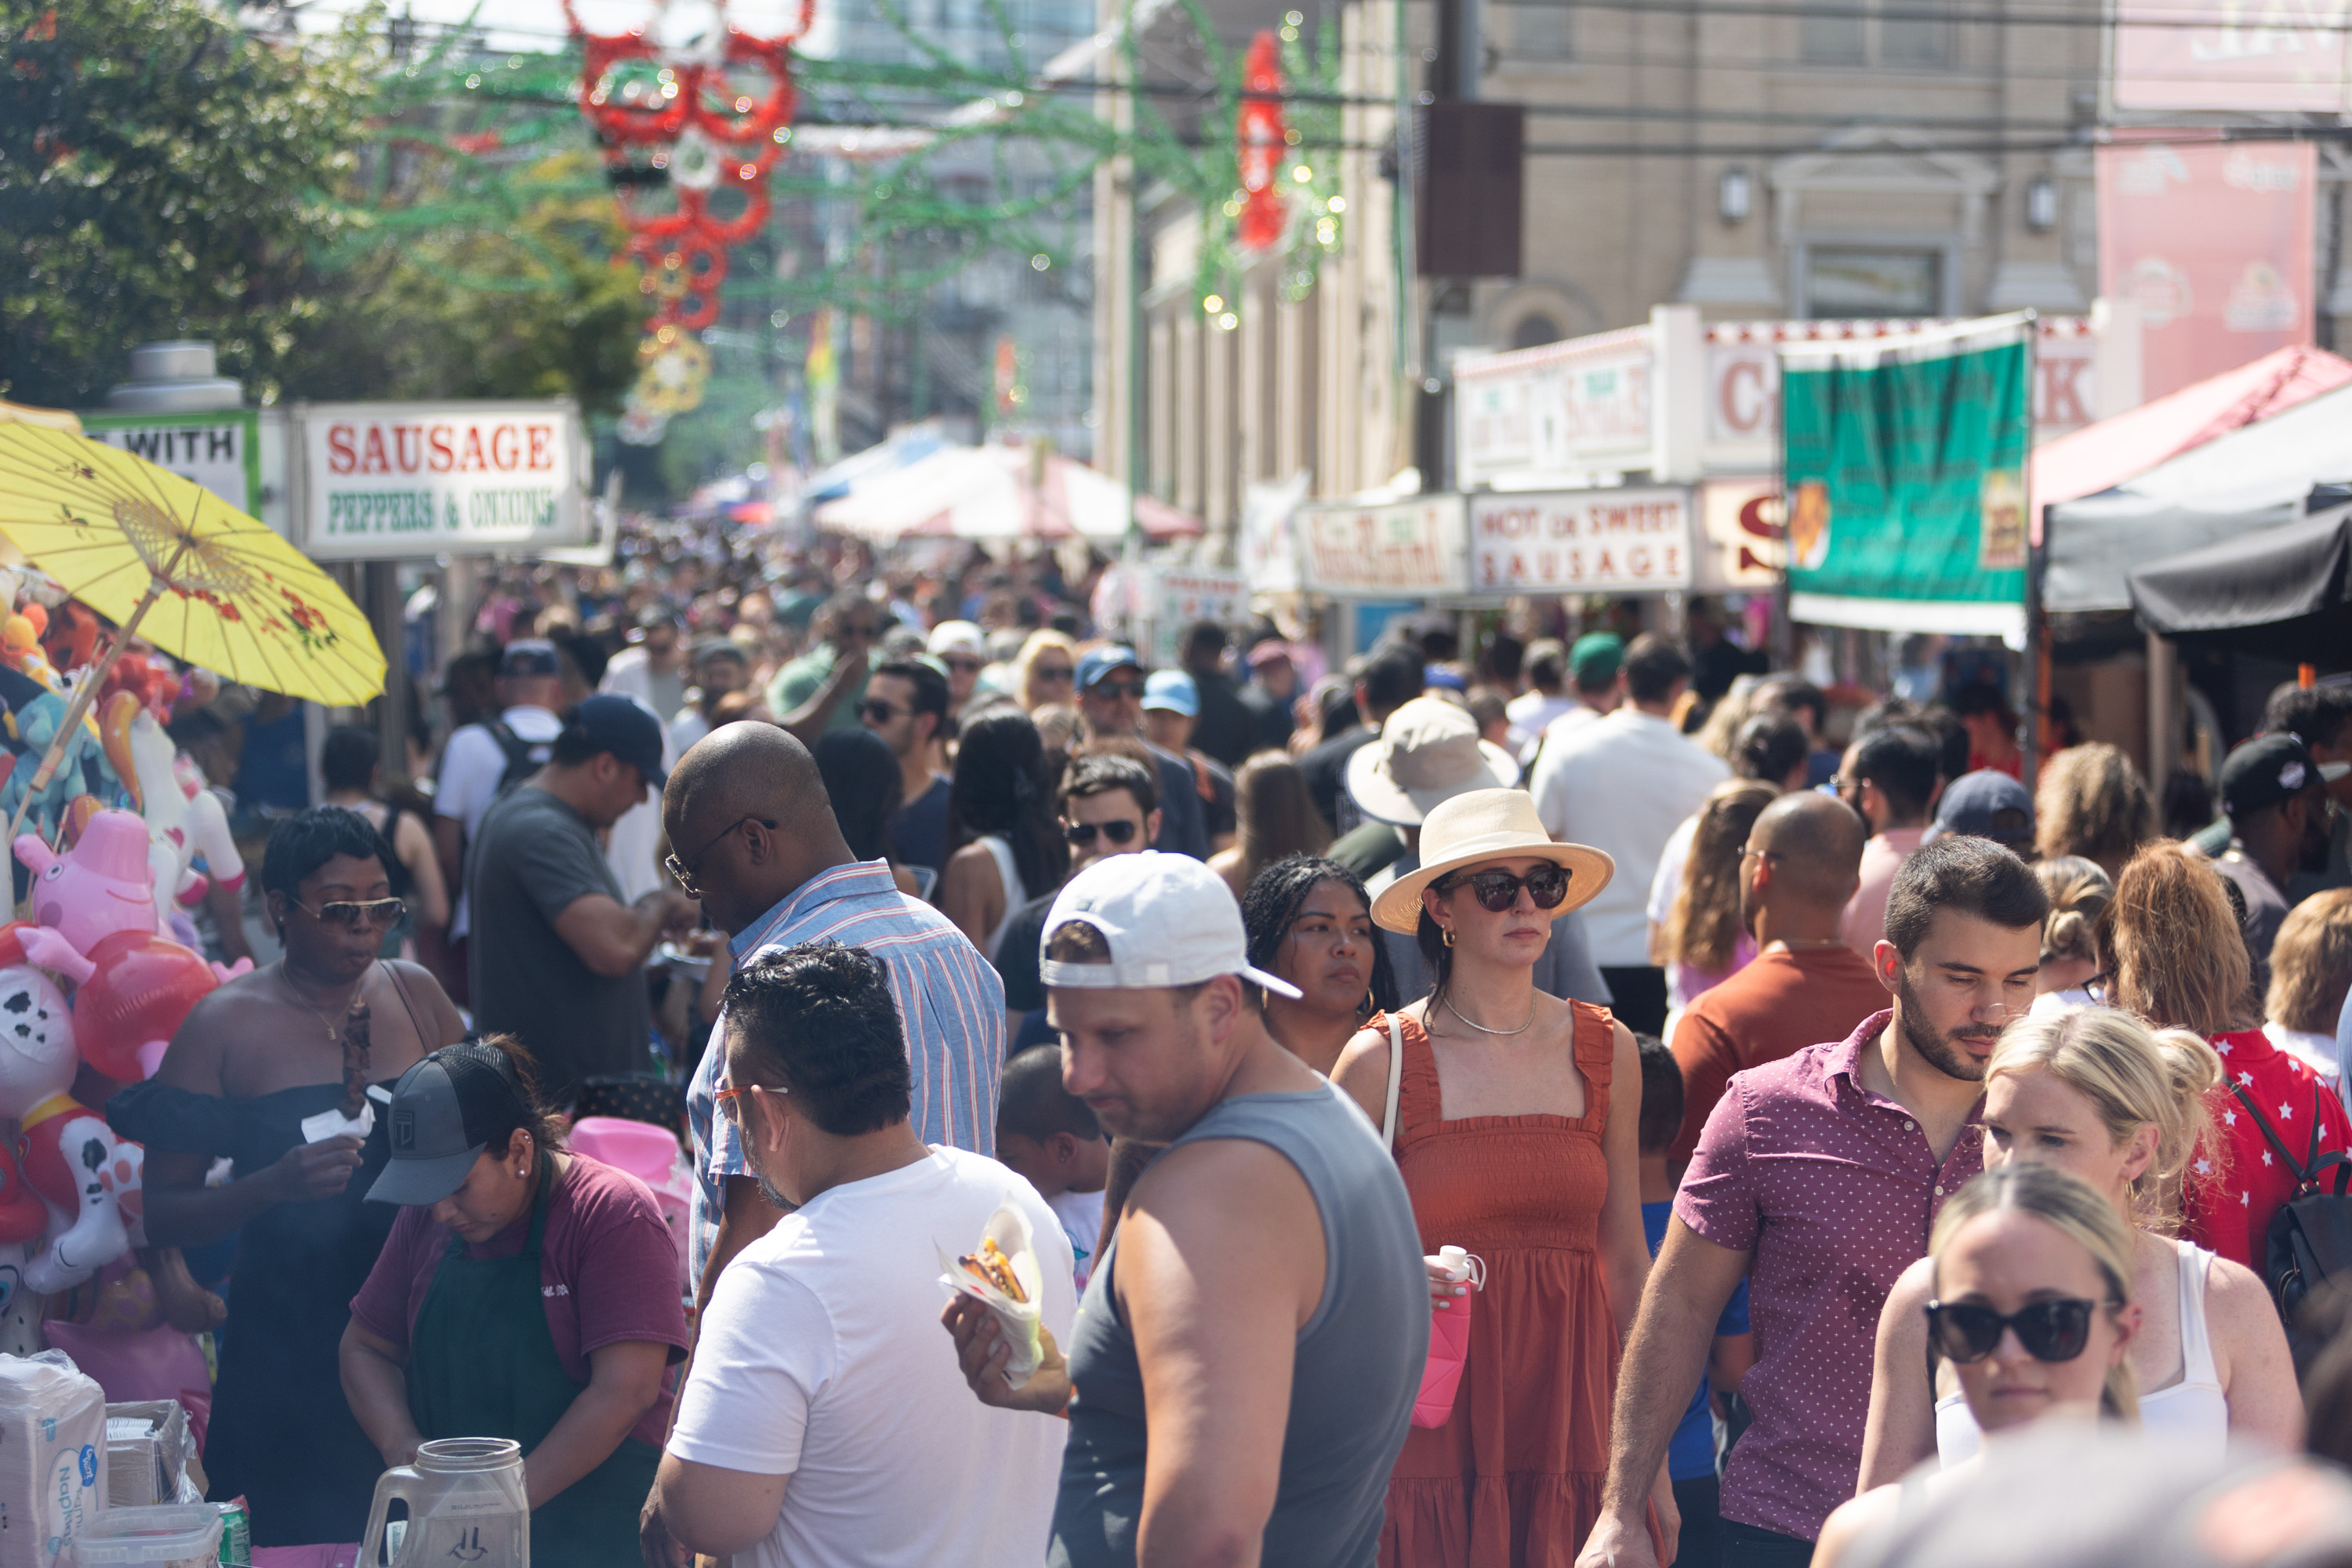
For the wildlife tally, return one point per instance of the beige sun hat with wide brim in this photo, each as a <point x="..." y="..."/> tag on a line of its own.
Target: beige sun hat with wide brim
<point x="1488" y="824"/>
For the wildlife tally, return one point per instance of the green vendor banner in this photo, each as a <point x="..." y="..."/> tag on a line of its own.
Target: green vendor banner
<point x="1904" y="464"/>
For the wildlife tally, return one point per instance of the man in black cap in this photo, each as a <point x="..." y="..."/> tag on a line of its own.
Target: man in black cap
<point x="2276" y="797"/>
<point x="557" y="958"/>
<point x="1987" y="804"/>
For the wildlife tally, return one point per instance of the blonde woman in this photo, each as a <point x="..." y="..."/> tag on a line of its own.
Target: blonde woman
<point x="2090" y="801"/>
<point x="2079" y="893"/>
<point x="1704" y="940"/>
<point x="2096" y="1093"/>
<point x="1046" y="670"/>
<point x="2027" y="1299"/>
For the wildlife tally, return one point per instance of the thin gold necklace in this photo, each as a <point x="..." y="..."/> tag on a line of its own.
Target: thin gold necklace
<point x="1482" y="1029"/>
<point x="334" y="1035"/>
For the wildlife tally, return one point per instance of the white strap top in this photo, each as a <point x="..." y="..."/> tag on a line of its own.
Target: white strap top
<point x="2194" y="1409"/>
<point x="1015" y="894"/>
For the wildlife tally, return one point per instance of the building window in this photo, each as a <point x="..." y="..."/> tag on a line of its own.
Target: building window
<point x="1863" y="33"/>
<point x="1841" y="283"/>
<point x="1540" y="30"/>
<point x="1535" y="330"/>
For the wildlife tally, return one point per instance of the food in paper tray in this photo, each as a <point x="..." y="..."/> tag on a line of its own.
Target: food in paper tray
<point x="1002" y="1274"/>
<point x="990" y="1265"/>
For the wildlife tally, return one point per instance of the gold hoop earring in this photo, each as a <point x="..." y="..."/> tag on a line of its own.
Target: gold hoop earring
<point x="1447" y="932"/>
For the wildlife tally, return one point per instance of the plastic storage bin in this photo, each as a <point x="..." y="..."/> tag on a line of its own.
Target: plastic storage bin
<point x="177" y="1535"/>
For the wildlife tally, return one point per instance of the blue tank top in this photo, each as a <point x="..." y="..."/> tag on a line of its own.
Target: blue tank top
<point x="1358" y="1361"/>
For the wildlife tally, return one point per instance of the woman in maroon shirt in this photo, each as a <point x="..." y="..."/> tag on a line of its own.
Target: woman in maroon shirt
<point x="2170" y="951"/>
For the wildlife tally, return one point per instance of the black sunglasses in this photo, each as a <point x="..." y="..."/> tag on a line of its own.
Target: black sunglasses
<point x="1496" y="892"/>
<point x="1082" y="834"/>
<point x="2055" y="1330"/>
<point x="1112" y="690"/>
<point x="881" y="712"/>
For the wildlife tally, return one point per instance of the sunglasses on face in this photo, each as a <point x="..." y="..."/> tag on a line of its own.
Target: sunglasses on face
<point x="351" y="916"/>
<point x="1082" y="834"/>
<point x="879" y="711"/>
<point x="1496" y="892"/>
<point x="964" y="665"/>
<point x="1112" y="690"/>
<point x="2053" y="1331"/>
<point x="1055" y="673"/>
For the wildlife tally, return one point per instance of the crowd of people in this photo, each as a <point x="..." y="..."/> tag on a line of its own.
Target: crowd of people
<point x="1807" y="1105"/>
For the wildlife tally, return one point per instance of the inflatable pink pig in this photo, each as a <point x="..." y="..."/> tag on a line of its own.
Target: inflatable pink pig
<point x="102" y="884"/>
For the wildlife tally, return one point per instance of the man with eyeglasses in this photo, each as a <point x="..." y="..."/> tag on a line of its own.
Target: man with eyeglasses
<point x="1108" y="806"/>
<point x="821" y="689"/>
<point x="757" y="841"/>
<point x="1817" y="1178"/>
<point x="907" y="704"/>
<point x="963" y="650"/>
<point x="1111" y="696"/>
<point x="558" y="957"/>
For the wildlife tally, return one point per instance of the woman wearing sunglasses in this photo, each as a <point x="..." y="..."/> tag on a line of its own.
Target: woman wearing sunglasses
<point x="1514" y="1116"/>
<point x="1007" y="849"/>
<point x="2029" y="1305"/>
<point x="2096" y="1093"/>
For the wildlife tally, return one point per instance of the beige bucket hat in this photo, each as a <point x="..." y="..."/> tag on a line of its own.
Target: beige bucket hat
<point x="1428" y="753"/>
<point x="1488" y="824"/>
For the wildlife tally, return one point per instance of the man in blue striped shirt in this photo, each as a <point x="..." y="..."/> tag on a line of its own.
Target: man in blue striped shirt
<point x="753" y="836"/>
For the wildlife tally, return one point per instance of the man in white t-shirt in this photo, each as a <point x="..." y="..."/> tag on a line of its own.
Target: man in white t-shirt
<point x="824" y="1425"/>
<point x="478" y="757"/>
<point x="1624" y="783"/>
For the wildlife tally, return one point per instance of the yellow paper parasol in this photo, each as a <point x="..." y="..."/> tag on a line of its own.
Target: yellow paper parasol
<point x="165" y="559"/>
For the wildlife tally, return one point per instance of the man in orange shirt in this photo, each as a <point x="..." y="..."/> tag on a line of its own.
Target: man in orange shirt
<point x="1801" y="866"/>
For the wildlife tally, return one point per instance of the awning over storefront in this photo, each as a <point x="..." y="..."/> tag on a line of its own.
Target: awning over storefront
<point x="2255" y="478"/>
<point x="2284" y="593"/>
<point x="2102" y="456"/>
<point x="996" y="492"/>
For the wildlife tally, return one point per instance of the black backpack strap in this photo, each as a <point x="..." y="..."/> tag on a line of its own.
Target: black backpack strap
<point x="2302" y="1175"/>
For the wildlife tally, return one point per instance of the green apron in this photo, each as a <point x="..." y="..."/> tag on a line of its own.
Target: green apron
<point x="482" y="1364"/>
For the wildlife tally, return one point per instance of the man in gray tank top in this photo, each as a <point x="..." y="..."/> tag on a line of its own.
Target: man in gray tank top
<point x="1244" y="1360"/>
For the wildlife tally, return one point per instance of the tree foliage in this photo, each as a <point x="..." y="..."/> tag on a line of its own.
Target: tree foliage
<point x="161" y="177"/>
<point x="163" y="173"/>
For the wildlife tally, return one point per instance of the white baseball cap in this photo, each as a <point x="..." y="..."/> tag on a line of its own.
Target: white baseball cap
<point x="1168" y="920"/>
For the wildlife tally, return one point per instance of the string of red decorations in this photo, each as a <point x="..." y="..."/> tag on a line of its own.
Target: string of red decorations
<point x="1261" y="138"/>
<point x="707" y="123"/>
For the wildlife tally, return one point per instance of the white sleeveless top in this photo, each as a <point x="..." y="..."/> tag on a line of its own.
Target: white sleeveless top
<point x="1015" y="893"/>
<point x="2194" y="1409"/>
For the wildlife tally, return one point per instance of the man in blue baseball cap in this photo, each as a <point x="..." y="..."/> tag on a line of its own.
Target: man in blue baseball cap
<point x="1111" y="695"/>
<point x="557" y="957"/>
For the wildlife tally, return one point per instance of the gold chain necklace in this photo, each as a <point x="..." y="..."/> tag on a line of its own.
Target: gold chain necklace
<point x="334" y="1035"/>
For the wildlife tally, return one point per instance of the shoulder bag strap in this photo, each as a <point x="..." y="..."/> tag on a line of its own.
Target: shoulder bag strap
<point x="2302" y="1176"/>
<point x="1396" y="1082"/>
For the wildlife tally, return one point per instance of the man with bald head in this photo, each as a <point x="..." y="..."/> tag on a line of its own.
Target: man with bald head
<point x="1805" y="985"/>
<point x="754" y="836"/>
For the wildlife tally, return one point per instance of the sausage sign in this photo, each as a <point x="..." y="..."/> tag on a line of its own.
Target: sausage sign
<point x="381" y="482"/>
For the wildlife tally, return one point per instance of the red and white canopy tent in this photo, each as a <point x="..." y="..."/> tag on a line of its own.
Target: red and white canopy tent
<point x="997" y="493"/>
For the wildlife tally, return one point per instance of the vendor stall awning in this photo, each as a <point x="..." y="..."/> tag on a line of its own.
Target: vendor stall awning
<point x="2282" y="594"/>
<point x="997" y="492"/>
<point x="2100" y="457"/>
<point x="2252" y="479"/>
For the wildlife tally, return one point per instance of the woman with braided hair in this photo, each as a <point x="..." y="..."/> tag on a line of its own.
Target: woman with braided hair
<point x="1006" y="848"/>
<point x="1311" y="922"/>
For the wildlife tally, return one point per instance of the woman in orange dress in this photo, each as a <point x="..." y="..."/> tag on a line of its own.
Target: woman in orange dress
<point x="1515" y="1129"/>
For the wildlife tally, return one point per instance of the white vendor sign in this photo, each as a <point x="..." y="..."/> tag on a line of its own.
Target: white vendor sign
<point x="1399" y="550"/>
<point x="381" y="481"/>
<point x="219" y="450"/>
<point x="1580" y="541"/>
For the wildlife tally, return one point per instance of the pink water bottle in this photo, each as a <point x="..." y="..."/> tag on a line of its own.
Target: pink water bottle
<point x="1449" y="1338"/>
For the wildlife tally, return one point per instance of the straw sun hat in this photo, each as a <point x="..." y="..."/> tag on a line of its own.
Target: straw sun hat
<point x="1488" y="824"/>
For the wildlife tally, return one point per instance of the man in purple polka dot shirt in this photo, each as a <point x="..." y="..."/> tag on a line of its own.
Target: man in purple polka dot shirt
<point x="1818" y="1177"/>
